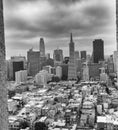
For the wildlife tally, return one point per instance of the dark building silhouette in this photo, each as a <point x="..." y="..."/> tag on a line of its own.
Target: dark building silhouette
<point x="83" y="55"/>
<point x="53" y="70"/>
<point x="58" y="57"/>
<point x="34" y="62"/>
<point x="48" y="62"/>
<point x="64" y="71"/>
<point x="17" y="66"/>
<point x="98" y="50"/>
<point x="16" y="63"/>
<point x="66" y="60"/>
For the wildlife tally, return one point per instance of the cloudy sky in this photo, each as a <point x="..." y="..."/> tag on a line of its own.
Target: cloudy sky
<point x="28" y="20"/>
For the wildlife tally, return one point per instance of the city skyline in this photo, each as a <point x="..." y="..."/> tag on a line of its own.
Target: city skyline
<point x="54" y="21"/>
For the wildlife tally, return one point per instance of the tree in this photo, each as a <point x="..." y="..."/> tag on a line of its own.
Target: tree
<point x="40" y="126"/>
<point x="11" y="93"/>
<point x="24" y="124"/>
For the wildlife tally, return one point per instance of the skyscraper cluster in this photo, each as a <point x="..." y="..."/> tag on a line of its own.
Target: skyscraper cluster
<point x="74" y="66"/>
<point x="97" y="103"/>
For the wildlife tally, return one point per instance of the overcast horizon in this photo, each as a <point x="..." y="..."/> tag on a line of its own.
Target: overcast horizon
<point x="26" y="21"/>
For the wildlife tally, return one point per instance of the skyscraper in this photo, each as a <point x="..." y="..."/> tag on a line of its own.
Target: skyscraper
<point x="42" y="47"/>
<point x="3" y="84"/>
<point x="34" y="62"/>
<point x="98" y="50"/>
<point x="83" y="55"/>
<point x="85" y="71"/>
<point x="58" y="57"/>
<point x="72" y="67"/>
<point x="48" y="56"/>
<point x="16" y="63"/>
<point x="76" y="54"/>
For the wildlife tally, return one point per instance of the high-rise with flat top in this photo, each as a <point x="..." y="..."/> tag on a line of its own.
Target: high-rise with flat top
<point x="98" y="50"/>
<point x="34" y="62"/>
<point x="71" y="66"/>
<point x="83" y="55"/>
<point x="58" y="57"/>
<point x="3" y="84"/>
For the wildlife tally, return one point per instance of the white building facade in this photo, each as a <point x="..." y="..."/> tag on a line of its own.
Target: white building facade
<point x="59" y="71"/>
<point x="21" y="76"/>
<point x="43" y="77"/>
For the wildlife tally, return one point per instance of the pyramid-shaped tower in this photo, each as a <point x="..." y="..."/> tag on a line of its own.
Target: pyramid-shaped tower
<point x="71" y="66"/>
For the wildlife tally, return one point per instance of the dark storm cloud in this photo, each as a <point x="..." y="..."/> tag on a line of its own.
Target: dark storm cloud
<point x="55" y="19"/>
<point x="63" y="21"/>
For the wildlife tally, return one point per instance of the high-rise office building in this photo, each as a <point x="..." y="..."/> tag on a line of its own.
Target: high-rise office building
<point x="94" y="70"/>
<point x="88" y="58"/>
<point x="64" y="71"/>
<point x="43" y="77"/>
<point x="21" y="76"/>
<point x="48" y="56"/>
<point x="47" y="68"/>
<point x="34" y="63"/>
<point x="42" y="61"/>
<point x="115" y="60"/>
<point x="76" y="55"/>
<point x="85" y="71"/>
<point x="3" y="84"/>
<point x="83" y="55"/>
<point x="98" y="50"/>
<point x="16" y="63"/>
<point x="71" y="66"/>
<point x="58" y="57"/>
<point x="48" y="62"/>
<point x="59" y="71"/>
<point x="42" y="47"/>
<point x="66" y="60"/>
<point x="78" y="65"/>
